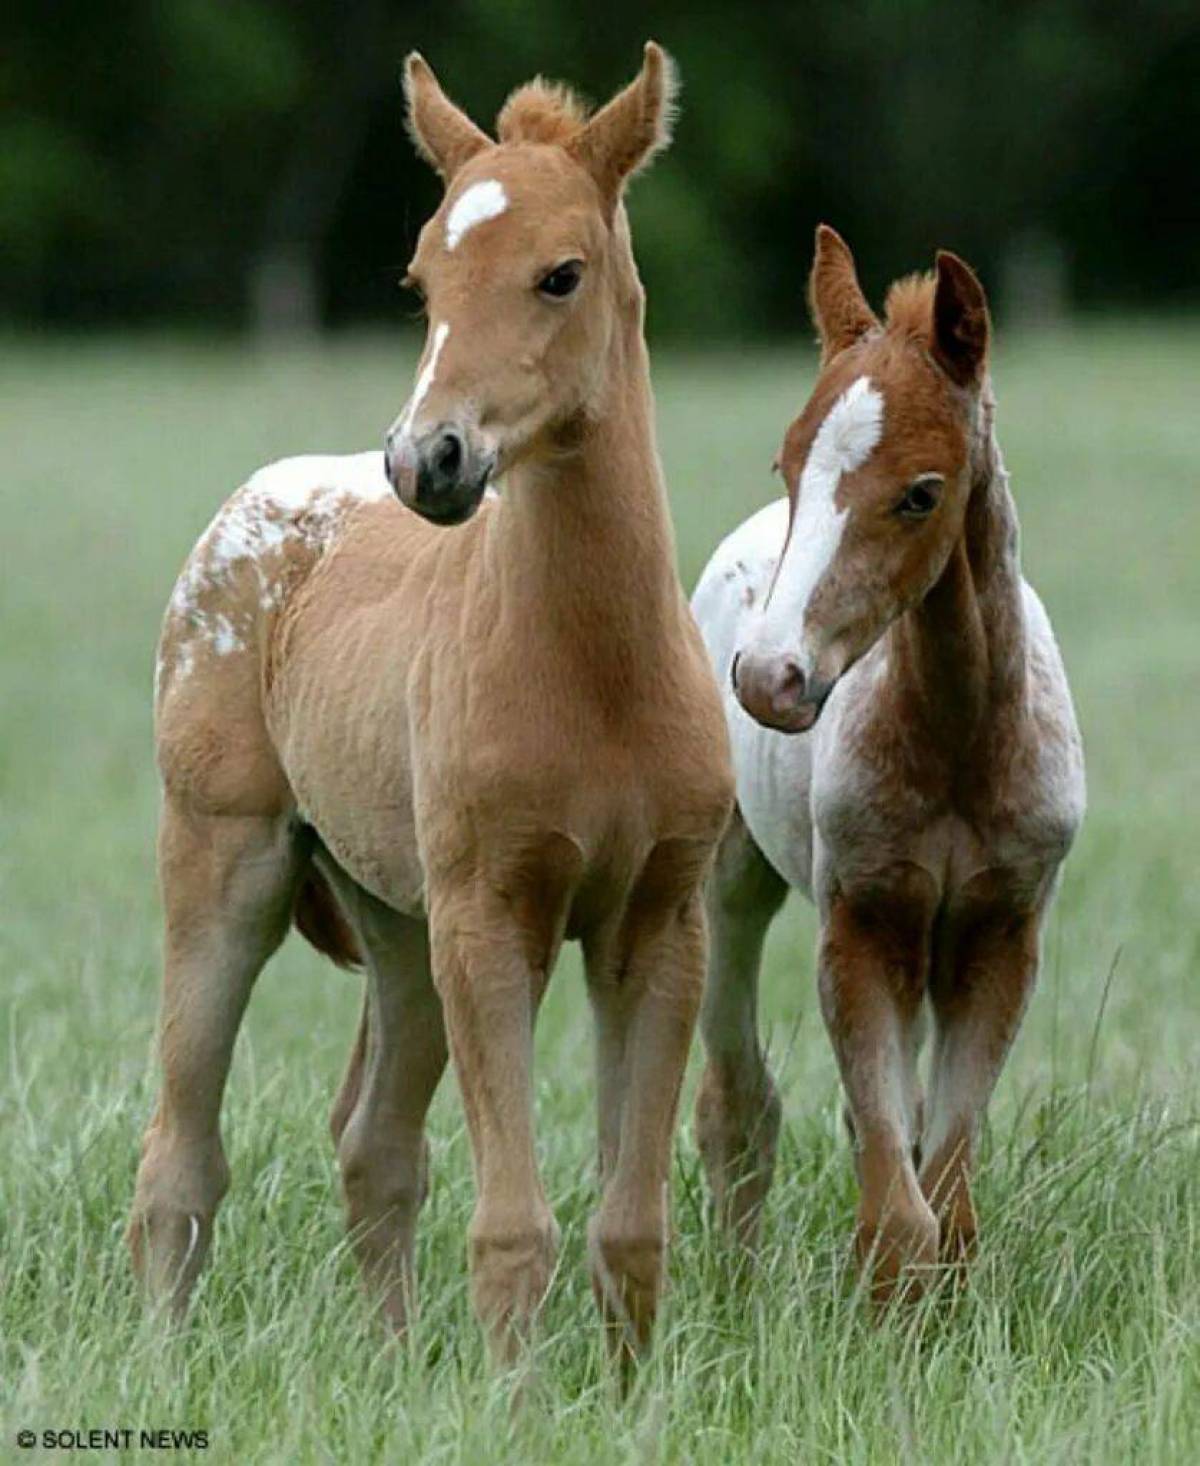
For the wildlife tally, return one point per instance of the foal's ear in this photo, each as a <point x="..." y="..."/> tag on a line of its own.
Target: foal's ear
<point x="959" y="341"/>
<point x="836" y="303"/>
<point x="442" y="133"/>
<point x="627" y="132"/>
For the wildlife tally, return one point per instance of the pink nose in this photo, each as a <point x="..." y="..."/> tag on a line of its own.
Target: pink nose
<point x="775" y="692"/>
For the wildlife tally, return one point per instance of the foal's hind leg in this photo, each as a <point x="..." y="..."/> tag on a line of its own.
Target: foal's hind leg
<point x="737" y="1108"/>
<point x="228" y="884"/>
<point x="351" y="1085"/>
<point x="379" y="1118"/>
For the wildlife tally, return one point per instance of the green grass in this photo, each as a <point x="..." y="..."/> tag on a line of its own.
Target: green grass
<point x="1079" y="1339"/>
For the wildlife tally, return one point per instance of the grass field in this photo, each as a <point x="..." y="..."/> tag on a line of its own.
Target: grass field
<point x="1080" y="1337"/>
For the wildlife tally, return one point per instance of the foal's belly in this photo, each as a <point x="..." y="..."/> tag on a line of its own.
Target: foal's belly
<point x="344" y="746"/>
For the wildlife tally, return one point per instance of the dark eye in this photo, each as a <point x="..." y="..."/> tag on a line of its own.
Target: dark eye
<point x="920" y="498"/>
<point x="562" y="280"/>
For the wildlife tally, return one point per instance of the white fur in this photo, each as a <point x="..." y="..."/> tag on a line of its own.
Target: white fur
<point x="773" y="769"/>
<point x="844" y="442"/>
<point x="482" y="201"/>
<point x="303" y="499"/>
<point x="421" y="390"/>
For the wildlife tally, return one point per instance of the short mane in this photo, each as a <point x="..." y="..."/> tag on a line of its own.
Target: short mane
<point x="541" y="112"/>
<point x="909" y="306"/>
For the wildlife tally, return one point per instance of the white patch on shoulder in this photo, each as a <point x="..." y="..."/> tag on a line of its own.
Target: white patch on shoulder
<point x="844" y="442"/>
<point x="473" y="206"/>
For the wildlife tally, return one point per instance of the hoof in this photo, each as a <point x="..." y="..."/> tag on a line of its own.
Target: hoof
<point x="898" y="1253"/>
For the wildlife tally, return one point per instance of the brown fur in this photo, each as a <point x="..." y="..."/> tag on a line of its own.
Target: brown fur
<point x="504" y="735"/>
<point x="542" y="112"/>
<point x="908" y="306"/>
<point x="836" y="303"/>
<point x="431" y="116"/>
<point x="632" y="129"/>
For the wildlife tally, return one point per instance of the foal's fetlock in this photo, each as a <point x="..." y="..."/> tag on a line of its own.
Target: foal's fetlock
<point x="170" y="1226"/>
<point x="168" y="1248"/>
<point x="738" y="1133"/>
<point x="511" y="1270"/>
<point x="385" y="1188"/>
<point x="627" y="1280"/>
<point x="898" y="1252"/>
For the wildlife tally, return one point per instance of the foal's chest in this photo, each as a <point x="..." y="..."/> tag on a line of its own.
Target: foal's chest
<point x="982" y="844"/>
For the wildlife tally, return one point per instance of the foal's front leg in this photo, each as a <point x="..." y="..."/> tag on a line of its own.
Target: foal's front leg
<point x="979" y="993"/>
<point x="872" y="970"/>
<point x="489" y="995"/>
<point x="646" y="1002"/>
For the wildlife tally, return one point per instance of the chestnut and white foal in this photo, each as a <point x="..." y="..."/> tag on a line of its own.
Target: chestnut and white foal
<point x="450" y="750"/>
<point x="929" y="809"/>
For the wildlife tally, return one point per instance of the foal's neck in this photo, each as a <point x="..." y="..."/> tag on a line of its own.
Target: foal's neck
<point x="960" y="654"/>
<point x="584" y="553"/>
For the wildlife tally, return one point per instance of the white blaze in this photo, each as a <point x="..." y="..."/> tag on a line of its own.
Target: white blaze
<point x="844" y="442"/>
<point x="475" y="204"/>
<point x="424" y="381"/>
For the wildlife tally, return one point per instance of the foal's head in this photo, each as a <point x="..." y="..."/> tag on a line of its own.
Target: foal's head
<point x="878" y="472"/>
<point x="524" y="269"/>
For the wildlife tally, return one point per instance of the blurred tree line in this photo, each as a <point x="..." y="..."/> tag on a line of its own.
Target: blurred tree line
<point x="234" y="161"/>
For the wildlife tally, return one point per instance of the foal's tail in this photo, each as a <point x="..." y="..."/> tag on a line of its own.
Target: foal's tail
<point x="319" y="920"/>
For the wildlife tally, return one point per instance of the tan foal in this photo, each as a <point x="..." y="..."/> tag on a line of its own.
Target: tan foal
<point x="449" y="750"/>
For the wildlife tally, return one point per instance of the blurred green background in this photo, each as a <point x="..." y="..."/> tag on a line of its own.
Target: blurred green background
<point x="1077" y="1342"/>
<point x="204" y="211"/>
<point x="245" y="163"/>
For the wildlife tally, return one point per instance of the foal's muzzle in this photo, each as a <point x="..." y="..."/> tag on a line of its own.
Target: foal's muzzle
<point x="776" y="693"/>
<point x="442" y="474"/>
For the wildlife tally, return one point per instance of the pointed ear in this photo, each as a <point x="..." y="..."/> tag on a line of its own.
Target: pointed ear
<point x="441" y="132"/>
<point x="959" y="338"/>
<point x="626" y="133"/>
<point x="836" y="303"/>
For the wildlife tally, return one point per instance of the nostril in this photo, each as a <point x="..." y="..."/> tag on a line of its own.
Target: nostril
<point x="733" y="670"/>
<point x="791" y="681"/>
<point x="448" y="455"/>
